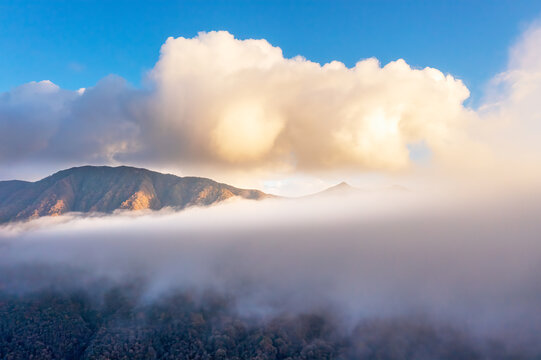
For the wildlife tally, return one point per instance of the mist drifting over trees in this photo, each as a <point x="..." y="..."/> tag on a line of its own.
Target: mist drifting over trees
<point x="322" y="278"/>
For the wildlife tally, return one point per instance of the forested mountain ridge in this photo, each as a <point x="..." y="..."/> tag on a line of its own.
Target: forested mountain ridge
<point x="106" y="189"/>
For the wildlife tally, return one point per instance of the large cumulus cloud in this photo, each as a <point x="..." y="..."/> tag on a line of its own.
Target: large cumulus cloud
<point x="219" y="101"/>
<point x="242" y="102"/>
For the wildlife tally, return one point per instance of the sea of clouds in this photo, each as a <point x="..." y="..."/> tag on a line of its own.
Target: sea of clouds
<point x="470" y="264"/>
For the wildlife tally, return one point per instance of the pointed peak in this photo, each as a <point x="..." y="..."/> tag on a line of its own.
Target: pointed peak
<point x="342" y="185"/>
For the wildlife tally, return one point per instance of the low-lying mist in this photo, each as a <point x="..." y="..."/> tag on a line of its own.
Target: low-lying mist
<point x="392" y="267"/>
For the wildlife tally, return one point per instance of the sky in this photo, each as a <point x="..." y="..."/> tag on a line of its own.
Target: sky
<point x="76" y="43"/>
<point x="289" y="97"/>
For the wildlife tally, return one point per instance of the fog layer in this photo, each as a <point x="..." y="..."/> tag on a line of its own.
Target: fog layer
<point x="466" y="263"/>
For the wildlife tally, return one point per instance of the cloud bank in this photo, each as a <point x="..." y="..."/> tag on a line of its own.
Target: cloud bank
<point x="469" y="264"/>
<point x="217" y="101"/>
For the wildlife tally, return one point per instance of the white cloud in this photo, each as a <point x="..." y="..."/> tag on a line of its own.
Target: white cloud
<point x="240" y="102"/>
<point x="512" y="105"/>
<point x="229" y="105"/>
<point x="220" y="102"/>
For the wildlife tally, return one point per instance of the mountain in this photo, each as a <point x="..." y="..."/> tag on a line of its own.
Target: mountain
<point x="106" y="189"/>
<point x="345" y="189"/>
<point x="337" y="190"/>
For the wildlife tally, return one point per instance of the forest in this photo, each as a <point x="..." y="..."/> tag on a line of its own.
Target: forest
<point x="119" y="323"/>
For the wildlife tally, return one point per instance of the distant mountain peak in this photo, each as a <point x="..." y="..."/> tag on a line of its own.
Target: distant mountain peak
<point x="345" y="188"/>
<point x="106" y="189"/>
<point x="340" y="188"/>
<point x="342" y="185"/>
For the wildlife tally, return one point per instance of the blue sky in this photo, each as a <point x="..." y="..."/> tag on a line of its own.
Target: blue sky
<point x="75" y="43"/>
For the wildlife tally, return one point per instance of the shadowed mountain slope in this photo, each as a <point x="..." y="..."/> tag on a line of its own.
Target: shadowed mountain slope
<point x="105" y="189"/>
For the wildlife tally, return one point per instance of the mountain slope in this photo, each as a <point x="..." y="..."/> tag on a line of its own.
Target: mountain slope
<point x="105" y="189"/>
